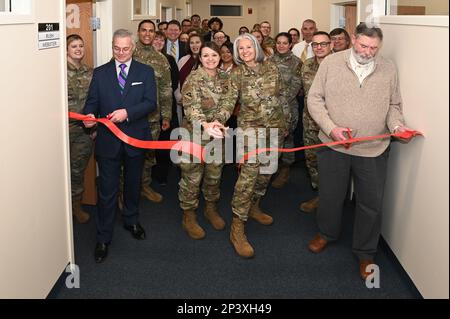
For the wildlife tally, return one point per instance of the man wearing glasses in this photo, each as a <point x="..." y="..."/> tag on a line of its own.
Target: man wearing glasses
<point x="124" y="91"/>
<point x="266" y="29"/>
<point x="322" y="47"/>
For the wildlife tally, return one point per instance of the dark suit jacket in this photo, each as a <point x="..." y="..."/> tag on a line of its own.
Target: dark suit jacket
<point x="138" y="98"/>
<point x="183" y="49"/>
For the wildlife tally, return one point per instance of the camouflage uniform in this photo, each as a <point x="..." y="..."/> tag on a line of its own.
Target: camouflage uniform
<point x="148" y="55"/>
<point x="78" y="81"/>
<point x="269" y="42"/>
<point x="289" y="66"/>
<point x="310" y="128"/>
<point x="201" y="95"/>
<point x="262" y="106"/>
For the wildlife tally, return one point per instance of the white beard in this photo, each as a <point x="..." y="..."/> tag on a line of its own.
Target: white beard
<point x="361" y="59"/>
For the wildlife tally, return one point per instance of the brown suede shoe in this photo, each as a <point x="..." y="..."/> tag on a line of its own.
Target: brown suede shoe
<point x="363" y="268"/>
<point x="317" y="244"/>
<point x="310" y="206"/>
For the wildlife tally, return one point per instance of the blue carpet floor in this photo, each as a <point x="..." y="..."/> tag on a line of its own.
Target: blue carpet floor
<point x="168" y="264"/>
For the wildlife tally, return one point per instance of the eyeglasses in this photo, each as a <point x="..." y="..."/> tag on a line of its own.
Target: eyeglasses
<point x="123" y="50"/>
<point x="219" y="38"/>
<point x="322" y="44"/>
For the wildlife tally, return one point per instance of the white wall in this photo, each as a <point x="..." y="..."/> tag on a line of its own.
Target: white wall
<point x="293" y="13"/>
<point x="116" y="14"/>
<point x="35" y="228"/>
<point x="416" y="223"/>
<point x="262" y="10"/>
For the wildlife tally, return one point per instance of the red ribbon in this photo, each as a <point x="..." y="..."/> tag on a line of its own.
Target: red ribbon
<point x="408" y="134"/>
<point x="179" y="145"/>
<point x="198" y="151"/>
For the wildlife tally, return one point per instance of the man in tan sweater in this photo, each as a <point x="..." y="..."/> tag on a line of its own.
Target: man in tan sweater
<point x="356" y="89"/>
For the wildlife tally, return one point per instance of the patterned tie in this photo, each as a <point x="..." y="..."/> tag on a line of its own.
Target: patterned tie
<point x="173" y="50"/>
<point x="304" y="55"/>
<point x="122" y="77"/>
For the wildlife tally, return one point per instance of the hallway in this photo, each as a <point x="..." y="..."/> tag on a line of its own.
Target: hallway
<point x="168" y="264"/>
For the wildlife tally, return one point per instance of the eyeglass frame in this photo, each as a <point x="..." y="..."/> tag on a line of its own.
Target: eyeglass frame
<point x="321" y="44"/>
<point x="122" y="50"/>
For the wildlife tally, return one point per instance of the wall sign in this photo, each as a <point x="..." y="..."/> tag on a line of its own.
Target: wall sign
<point x="48" y="35"/>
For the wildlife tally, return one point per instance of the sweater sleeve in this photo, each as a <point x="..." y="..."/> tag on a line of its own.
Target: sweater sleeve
<point x="395" y="114"/>
<point x="316" y="101"/>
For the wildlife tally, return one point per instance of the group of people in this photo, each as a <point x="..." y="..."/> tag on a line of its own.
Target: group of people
<point x="157" y="83"/>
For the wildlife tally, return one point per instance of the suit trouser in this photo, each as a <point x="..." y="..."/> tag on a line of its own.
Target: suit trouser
<point x="108" y="187"/>
<point x="369" y="175"/>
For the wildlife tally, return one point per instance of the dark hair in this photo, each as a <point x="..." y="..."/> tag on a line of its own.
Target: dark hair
<point x="338" y="31"/>
<point x="322" y="33"/>
<point x="176" y="22"/>
<point x="71" y="38"/>
<point x="224" y="34"/>
<point x="215" y="19"/>
<point x="244" y="27"/>
<point x="146" y="21"/>
<point x="162" y="22"/>
<point x="211" y="45"/>
<point x="371" y="32"/>
<point x="296" y="31"/>
<point x="160" y="34"/>
<point x="284" y="34"/>
<point x="185" y="20"/>
<point x="195" y="15"/>
<point x="188" y="45"/>
<point x="229" y="46"/>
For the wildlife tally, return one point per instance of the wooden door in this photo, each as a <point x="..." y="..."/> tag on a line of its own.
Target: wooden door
<point x="350" y="18"/>
<point x="79" y="13"/>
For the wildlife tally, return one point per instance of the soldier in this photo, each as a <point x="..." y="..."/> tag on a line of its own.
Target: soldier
<point x="201" y="93"/>
<point x="257" y="84"/>
<point x="265" y="29"/>
<point x="79" y="78"/>
<point x="196" y="22"/>
<point x="288" y="65"/>
<point x="145" y="53"/>
<point x="322" y="47"/>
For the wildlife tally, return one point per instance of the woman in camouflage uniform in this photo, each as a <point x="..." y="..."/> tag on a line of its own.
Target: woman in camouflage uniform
<point x="258" y="85"/>
<point x="201" y="93"/>
<point x="78" y="79"/>
<point x="288" y="65"/>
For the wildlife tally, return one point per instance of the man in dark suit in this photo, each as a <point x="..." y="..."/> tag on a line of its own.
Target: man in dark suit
<point x="124" y="91"/>
<point x="174" y="47"/>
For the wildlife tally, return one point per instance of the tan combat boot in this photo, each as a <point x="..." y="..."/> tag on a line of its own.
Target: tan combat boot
<point x="282" y="178"/>
<point x="151" y="195"/>
<point x="257" y="214"/>
<point x="81" y="216"/>
<point x="239" y="240"/>
<point x="212" y="214"/>
<point x="310" y="206"/>
<point x="191" y="226"/>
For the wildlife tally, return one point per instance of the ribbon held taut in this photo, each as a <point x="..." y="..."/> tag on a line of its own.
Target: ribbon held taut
<point x="198" y="151"/>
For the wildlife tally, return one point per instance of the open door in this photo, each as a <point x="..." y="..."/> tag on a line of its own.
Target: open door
<point x="79" y="14"/>
<point x="350" y="18"/>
